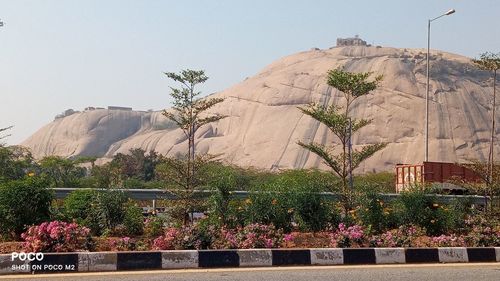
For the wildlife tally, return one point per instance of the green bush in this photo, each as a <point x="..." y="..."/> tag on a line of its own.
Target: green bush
<point x="422" y="209"/>
<point x="459" y="210"/>
<point x="375" y="182"/>
<point x="311" y="211"/>
<point x="293" y="197"/>
<point x="106" y="211"/>
<point x="101" y="211"/>
<point x="153" y="226"/>
<point x="77" y="205"/>
<point x="23" y="203"/>
<point x="133" y="219"/>
<point x="310" y="180"/>
<point x="271" y="204"/>
<point x="221" y="181"/>
<point x="376" y="214"/>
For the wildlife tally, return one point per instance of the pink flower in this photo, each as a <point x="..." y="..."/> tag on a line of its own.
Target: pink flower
<point x="341" y="227"/>
<point x="55" y="236"/>
<point x="288" y="237"/>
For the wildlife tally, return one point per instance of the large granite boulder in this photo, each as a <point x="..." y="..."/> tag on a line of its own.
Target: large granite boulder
<point x="264" y="123"/>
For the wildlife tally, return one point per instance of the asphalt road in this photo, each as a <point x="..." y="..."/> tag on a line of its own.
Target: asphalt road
<point x="438" y="272"/>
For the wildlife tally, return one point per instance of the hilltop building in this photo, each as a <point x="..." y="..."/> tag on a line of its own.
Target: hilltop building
<point x="356" y="41"/>
<point x="120" y="108"/>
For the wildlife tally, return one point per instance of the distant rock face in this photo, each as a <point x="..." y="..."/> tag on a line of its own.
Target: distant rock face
<point x="264" y="123"/>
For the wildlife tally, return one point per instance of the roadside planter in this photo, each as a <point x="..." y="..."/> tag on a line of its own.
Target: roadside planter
<point x="148" y="260"/>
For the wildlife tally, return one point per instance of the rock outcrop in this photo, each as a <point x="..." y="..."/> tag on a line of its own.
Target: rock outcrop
<point x="264" y="123"/>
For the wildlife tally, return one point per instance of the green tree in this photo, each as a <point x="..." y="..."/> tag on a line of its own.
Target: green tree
<point x="490" y="62"/>
<point x="107" y="175"/>
<point x="189" y="114"/>
<point x="340" y="123"/>
<point x="61" y="172"/>
<point x="15" y="162"/>
<point x="138" y="164"/>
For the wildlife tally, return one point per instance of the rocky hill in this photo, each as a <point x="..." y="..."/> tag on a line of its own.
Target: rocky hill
<point x="264" y="123"/>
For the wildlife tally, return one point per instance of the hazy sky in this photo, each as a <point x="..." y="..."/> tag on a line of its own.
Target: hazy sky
<point x="56" y="55"/>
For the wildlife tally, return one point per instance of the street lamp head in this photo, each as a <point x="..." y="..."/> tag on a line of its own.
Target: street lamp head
<point x="450" y="12"/>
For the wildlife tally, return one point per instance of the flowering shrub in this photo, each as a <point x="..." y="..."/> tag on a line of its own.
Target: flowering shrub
<point x="251" y="236"/>
<point x="483" y="236"/>
<point x="123" y="244"/>
<point x="196" y="237"/>
<point x="404" y="236"/>
<point x="482" y="231"/>
<point x="259" y="236"/>
<point x="387" y="239"/>
<point x="186" y="237"/>
<point x="56" y="236"/>
<point x="153" y="226"/>
<point x="448" y="241"/>
<point x="352" y="236"/>
<point x="267" y="207"/>
<point x="225" y="239"/>
<point x="423" y="209"/>
<point x="288" y="238"/>
<point x="168" y="240"/>
<point x="133" y="219"/>
<point x="376" y="214"/>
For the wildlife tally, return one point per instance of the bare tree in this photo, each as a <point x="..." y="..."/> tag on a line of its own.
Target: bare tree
<point x="3" y="130"/>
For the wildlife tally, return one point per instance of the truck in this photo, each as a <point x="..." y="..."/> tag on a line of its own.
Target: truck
<point x="438" y="174"/>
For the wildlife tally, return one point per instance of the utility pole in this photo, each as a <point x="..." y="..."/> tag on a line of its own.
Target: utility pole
<point x="426" y="157"/>
<point x="492" y="148"/>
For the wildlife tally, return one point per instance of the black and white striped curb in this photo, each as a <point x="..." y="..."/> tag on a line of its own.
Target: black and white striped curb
<point x="113" y="261"/>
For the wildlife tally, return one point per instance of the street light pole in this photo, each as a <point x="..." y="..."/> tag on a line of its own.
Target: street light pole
<point x="427" y="94"/>
<point x="427" y="85"/>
